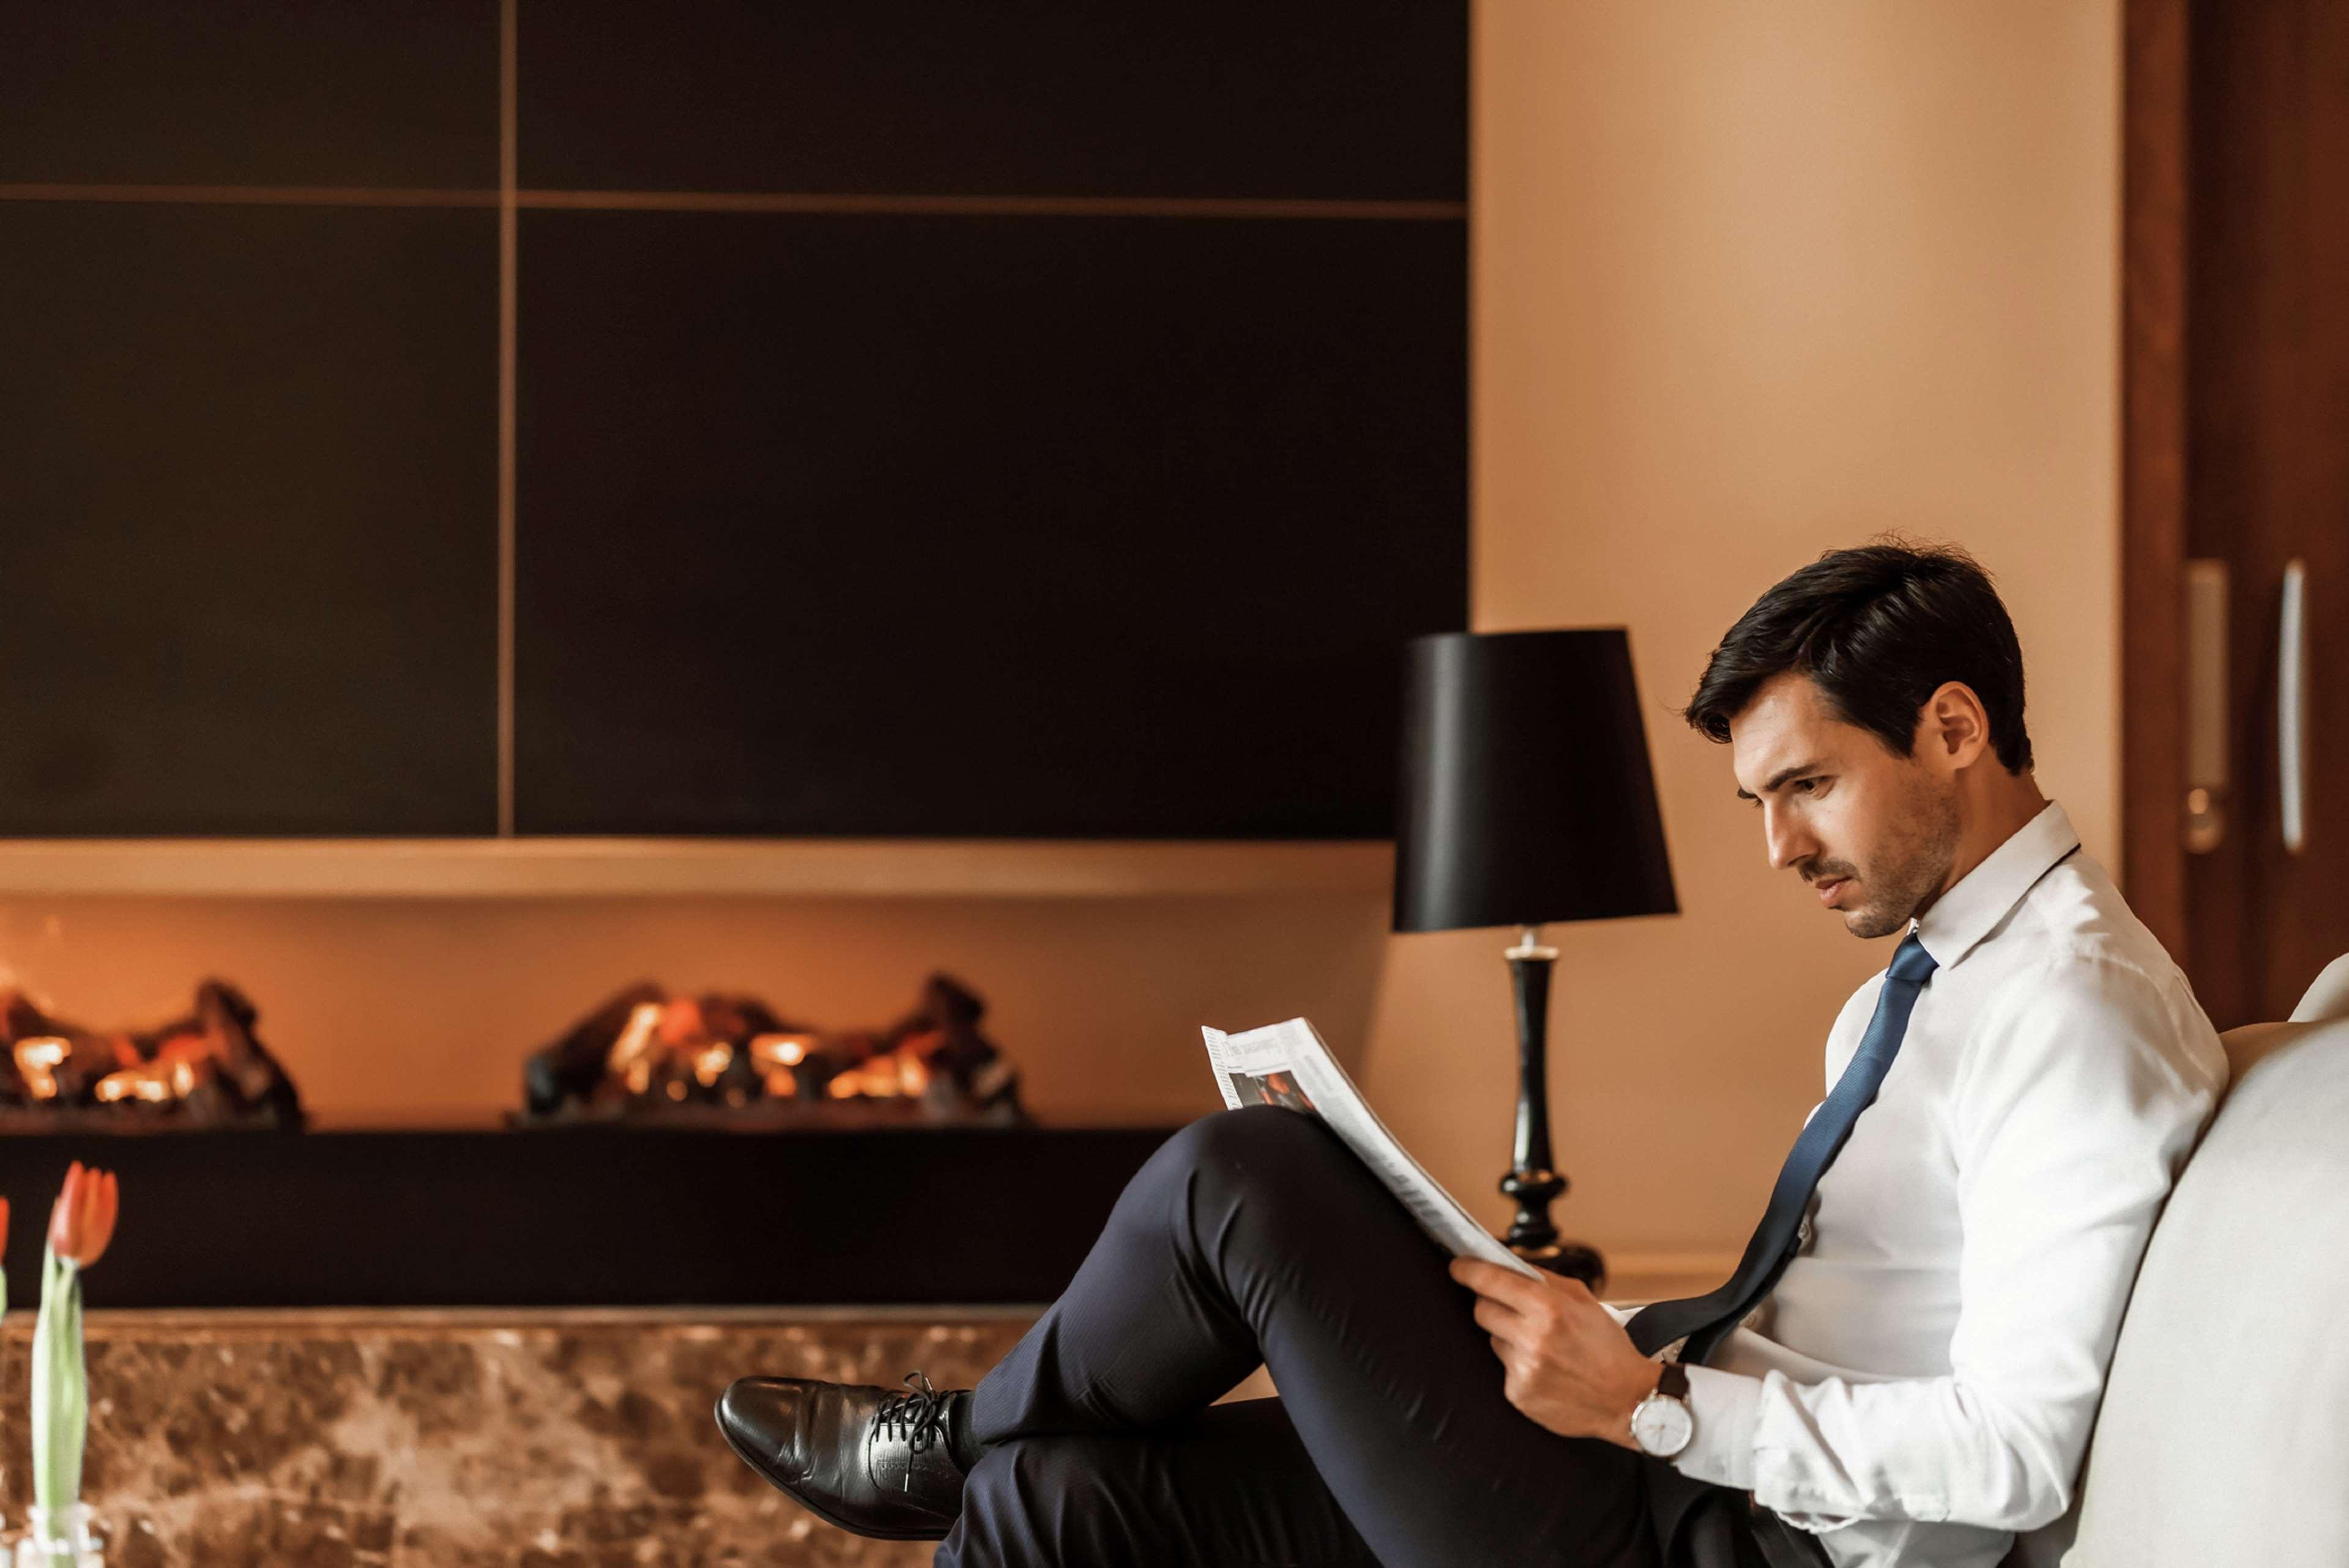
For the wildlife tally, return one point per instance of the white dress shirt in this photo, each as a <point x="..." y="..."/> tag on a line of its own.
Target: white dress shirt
<point x="1922" y="1382"/>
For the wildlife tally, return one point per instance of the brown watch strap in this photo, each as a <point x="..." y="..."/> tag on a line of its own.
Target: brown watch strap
<point x="1672" y="1382"/>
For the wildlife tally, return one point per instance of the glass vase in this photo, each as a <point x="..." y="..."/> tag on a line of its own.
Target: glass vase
<point x="70" y="1542"/>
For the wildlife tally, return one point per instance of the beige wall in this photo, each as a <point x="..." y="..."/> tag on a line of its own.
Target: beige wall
<point x="1752" y="282"/>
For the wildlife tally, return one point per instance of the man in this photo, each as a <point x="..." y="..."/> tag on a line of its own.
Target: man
<point x="1906" y="1366"/>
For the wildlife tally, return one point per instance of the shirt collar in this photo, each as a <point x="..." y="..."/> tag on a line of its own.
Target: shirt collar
<point x="1961" y="917"/>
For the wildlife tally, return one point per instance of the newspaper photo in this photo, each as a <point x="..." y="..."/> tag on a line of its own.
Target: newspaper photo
<point x="1286" y="1065"/>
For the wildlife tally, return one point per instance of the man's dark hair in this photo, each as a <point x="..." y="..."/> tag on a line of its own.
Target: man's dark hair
<point x="1880" y="628"/>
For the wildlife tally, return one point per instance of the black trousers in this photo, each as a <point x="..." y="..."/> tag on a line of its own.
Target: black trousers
<point x="1255" y="1235"/>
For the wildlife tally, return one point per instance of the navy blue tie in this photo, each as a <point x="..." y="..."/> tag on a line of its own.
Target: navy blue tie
<point x="1705" y="1320"/>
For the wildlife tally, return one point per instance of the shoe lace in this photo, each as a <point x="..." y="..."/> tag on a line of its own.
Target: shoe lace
<point x="919" y="1416"/>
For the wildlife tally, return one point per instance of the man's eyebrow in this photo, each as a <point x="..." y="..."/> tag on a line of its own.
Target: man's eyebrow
<point x="1781" y="776"/>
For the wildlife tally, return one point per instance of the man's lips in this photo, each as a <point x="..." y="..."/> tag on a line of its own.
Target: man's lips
<point x="1830" y="889"/>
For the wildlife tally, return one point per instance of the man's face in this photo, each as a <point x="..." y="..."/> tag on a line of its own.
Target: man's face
<point x="1873" y="834"/>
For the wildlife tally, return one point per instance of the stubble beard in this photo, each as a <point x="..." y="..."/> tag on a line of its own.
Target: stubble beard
<point x="1915" y="858"/>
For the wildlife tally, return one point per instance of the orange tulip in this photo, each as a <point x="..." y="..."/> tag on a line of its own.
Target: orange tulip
<point x="83" y="1220"/>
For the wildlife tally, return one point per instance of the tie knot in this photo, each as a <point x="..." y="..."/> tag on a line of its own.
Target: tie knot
<point x="1912" y="964"/>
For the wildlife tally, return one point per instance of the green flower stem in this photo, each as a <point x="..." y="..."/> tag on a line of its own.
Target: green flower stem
<point x="60" y="1390"/>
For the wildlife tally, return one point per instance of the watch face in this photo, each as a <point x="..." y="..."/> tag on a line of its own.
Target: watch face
<point x="1661" y="1425"/>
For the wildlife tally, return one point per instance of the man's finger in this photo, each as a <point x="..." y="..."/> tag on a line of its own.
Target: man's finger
<point x="1497" y="1282"/>
<point x="1499" y="1319"/>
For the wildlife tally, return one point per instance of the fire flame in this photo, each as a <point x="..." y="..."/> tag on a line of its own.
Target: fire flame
<point x="776" y="1056"/>
<point x="711" y="1063"/>
<point x="38" y="1058"/>
<point x="157" y="1083"/>
<point x="675" y="1032"/>
<point x="631" y="1057"/>
<point x="885" y="1077"/>
<point x="781" y="1050"/>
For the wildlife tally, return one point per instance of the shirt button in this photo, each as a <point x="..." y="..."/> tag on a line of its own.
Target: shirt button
<point x="1803" y="1232"/>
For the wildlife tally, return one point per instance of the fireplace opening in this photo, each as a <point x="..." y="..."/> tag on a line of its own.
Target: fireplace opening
<point x="652" y="1165"/>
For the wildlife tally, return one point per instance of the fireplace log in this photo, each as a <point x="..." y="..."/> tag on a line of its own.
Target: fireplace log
<point x="726" y="1059"/>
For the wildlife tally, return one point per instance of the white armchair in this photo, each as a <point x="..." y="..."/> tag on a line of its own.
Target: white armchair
<point x="2224" y="1434"/>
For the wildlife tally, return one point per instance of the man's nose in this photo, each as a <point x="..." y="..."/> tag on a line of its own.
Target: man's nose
<point x="1788" y="844"/>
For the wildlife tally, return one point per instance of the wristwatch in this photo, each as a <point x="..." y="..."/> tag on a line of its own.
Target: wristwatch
<point x="1661" y="1424"/>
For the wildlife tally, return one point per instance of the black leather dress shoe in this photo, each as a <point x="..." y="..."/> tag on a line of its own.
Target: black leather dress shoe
<point x="873" y="1460"/>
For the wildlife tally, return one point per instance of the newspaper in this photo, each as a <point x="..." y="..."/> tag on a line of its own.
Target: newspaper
<point x="1286" y="1065"/>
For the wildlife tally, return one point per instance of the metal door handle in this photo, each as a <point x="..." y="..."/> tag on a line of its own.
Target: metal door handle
<point x="2291" y="706"/>
<point x="2206" y="737"/>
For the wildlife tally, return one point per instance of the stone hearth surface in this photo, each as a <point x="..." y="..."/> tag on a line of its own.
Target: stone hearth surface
<point x="402" y="1439"/>
<point x="452" y="1438"/>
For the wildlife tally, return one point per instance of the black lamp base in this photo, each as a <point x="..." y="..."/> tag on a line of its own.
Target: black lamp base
<point x="1532" y="1184"/>
<point x="1575" y="1260"/>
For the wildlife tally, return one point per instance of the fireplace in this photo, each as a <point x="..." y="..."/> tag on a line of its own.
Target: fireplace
<point x="671" y="1151"/>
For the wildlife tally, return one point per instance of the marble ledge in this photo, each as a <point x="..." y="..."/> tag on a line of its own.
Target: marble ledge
<point x="403" y="1440"/>
<point x="461" y="1439"/>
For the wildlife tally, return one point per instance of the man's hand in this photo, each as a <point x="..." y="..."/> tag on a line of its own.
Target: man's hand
<point x="1566" y="1364"/>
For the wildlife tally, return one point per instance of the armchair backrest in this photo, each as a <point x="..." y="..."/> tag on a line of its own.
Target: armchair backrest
<point x="2224" y="1433"/>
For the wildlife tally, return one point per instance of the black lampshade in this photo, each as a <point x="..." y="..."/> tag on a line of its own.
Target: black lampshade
<point x="1526" y="795"/>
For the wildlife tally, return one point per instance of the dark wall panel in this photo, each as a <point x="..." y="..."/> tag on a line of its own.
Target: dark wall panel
<point x="980" y="525"/>
<point x="1355" y="99"/>
<point x="222" y="92"/>
<point x="248" y="545"/>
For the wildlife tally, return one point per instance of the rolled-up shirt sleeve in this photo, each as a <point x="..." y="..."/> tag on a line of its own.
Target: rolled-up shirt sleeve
<point x="2074" y="1109"/>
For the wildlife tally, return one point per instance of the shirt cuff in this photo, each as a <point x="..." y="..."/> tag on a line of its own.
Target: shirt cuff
<point x="1725" y="1409"/>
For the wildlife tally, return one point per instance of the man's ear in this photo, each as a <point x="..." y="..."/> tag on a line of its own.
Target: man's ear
<point x="1954" y="728"/>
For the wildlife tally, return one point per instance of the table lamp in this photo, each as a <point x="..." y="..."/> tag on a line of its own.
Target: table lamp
<point x="1526" y="799"/>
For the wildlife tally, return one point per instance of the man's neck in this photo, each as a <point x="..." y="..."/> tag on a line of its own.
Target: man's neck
<point x="1991" y="810"/>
